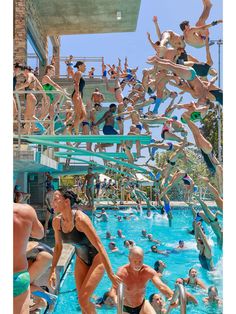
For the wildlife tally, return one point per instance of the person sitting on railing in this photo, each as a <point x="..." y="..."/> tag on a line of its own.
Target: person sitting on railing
<point x="91" y="73"/>
<point x="69" y="63"/>
<point x="31" y="83"/>
<point x="49" y="85"/>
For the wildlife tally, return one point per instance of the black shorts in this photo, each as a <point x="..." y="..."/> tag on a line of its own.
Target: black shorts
<point x="201" y="69"/>
<point x="133" y="310"/>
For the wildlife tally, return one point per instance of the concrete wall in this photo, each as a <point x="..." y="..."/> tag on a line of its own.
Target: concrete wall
<point x="20" y="32"/>
<point x="26" y="19"/>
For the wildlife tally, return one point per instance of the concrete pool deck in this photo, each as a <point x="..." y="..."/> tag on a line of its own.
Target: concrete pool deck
<point x="66" y="256"/>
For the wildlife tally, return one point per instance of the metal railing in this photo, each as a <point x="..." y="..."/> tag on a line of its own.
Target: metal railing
<point x="40" y="122"/>
<point x="180" y="294"/>
<point x="63" y="72"/>
<point x="120" y="298"/>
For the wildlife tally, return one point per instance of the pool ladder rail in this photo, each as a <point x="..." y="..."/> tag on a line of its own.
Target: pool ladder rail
<point x="179" y="293"/>
<point x="120" y="298"/>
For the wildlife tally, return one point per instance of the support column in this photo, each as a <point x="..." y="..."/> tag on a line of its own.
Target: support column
<point x="56" y="54"/>
<point x="20" y="31"/>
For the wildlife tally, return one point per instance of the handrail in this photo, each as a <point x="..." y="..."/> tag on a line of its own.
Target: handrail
<point x="179" y="293"/>
<point x="120" y="298"/>
<point x="19" y="120"/>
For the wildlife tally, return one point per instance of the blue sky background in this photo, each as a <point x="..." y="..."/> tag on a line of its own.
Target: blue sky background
<point x="135" y="45"/>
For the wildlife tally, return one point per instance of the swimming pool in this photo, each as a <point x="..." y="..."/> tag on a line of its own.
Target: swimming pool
<point x="178" y="264"/>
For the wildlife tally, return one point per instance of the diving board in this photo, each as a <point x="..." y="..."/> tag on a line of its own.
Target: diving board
<point x="116" y="139"/>
<point x="86" y="153"/>
<point x="100" y="155"/>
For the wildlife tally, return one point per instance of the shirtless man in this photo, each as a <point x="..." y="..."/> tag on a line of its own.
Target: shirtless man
<point x="89" y="179"/>
<point x="168" y="37"/>
<point x="26" y="224"/>
<point x="135" y="277"/>
<point x="97" y="97"/>
<point x="50" y="210"/>
<point x="108" y="128"/>
<point x="196" y="36"/>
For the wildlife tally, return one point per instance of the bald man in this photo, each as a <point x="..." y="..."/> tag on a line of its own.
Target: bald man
<point x="25" y="225"/>
<point x="135" y="277"/>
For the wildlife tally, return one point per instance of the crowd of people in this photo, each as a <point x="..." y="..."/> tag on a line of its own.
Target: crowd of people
<point x="171" y="64"/>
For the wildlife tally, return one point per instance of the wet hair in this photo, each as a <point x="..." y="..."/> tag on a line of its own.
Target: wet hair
<point x="151" y="297"/>
<point x="102" y="300"/>
<point x="183" y="24"/>
<point x="210" y="288"/>
<point x="190" y="270"/>
<point x="69" y="194"/>
<point x="157" y="265"/>
<point x="49" y="67"/>
<point x="112" y="106"/>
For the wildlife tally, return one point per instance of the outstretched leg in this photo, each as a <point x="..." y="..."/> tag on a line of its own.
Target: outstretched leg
<point x="205" y="13"/>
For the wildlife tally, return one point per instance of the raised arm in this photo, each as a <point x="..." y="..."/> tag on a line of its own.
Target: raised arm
<point x="158" y="31"/>
<point x="150" y="40"/>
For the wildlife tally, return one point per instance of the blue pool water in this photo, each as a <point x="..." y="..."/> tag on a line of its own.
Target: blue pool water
<point x="178" y="264"/>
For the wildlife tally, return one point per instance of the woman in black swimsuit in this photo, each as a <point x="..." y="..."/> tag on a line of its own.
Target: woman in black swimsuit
<point x="77" y="95"/>
<point x="75" y="227"/>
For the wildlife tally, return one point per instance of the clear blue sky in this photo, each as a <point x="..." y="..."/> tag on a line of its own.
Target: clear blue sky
<point x="135" y="45"/>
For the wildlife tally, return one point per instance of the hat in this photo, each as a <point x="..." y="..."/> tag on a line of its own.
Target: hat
<point x="78" y="63"/>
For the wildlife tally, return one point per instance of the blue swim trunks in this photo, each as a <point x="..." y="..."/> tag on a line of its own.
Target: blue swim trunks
<point x="109" y="130"/>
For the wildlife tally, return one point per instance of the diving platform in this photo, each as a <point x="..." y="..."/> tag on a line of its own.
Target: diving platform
<point x="115" y="139"/>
